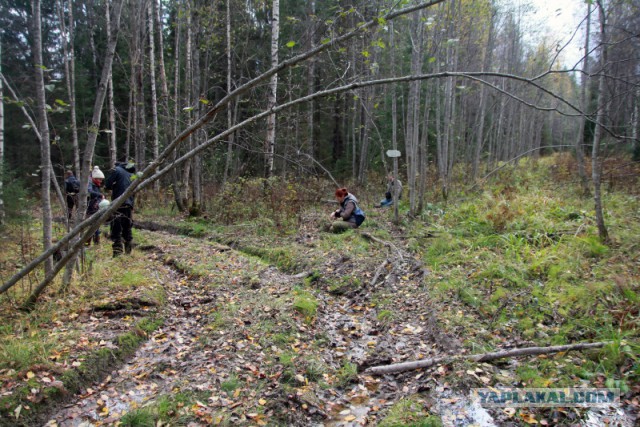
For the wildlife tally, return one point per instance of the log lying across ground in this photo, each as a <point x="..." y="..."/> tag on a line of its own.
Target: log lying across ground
<point x="486" y="357"/>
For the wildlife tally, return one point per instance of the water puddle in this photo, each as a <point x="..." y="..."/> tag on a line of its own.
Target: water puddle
<point x="150" y="372"/>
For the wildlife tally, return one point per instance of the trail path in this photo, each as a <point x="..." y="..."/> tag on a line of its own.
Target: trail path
<point x="233" y="337"/>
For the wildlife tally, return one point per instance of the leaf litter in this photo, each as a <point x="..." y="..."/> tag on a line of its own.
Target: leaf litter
<point x="232" y="338"/>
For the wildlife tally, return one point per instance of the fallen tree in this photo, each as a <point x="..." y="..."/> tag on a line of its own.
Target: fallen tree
<point x="486" y="357"/>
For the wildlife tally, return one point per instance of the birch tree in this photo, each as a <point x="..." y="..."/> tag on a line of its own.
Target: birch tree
<point x="43" y="127"/>
<point x="413" y="110"/>
<point x="155" y="144"/>
<point x="113" y="149"/>
<point x="229" y="156"/>
<point x="270" y="141"/>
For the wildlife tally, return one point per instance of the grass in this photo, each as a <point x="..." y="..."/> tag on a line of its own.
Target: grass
<point x="532" y="260"/>
<point x="305" y="303"/>
<point x="509" y="266"/>
<point x="409" y="412"/>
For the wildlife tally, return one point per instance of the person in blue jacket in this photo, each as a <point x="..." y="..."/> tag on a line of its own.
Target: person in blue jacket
<point x="118" y="181"/>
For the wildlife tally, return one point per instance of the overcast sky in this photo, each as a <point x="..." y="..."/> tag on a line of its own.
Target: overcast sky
<point x="558" y="19"/>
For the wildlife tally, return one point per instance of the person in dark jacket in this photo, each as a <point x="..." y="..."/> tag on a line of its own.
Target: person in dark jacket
<point x="122" y="222"/>
<point x="351" y="215"/>
<point x="71" y="188"/>
<point x="394" y="190"/>
<point x="95" y="197"/>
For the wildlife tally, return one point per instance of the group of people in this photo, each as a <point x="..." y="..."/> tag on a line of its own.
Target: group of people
<point x="350" y="212"/>
<point x="122" y="221"/>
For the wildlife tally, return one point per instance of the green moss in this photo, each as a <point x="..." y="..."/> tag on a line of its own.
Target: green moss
<point x="306" y="304"/>
<point x="410" y="411"/>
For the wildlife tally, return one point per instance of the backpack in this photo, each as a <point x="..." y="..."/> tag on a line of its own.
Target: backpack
<point x="72" y="185"/>
<point x="359" y="214"/>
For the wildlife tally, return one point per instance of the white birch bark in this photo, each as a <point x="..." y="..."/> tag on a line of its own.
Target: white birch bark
<point x="270" y="142"/>
<point x="43" y="127"/>
<point x="227" y="165"/>
<point x="110" y="103"/>
<point x="311" y="75"/>
<point x="186" y="172"/>
<point x="155" y="144"/>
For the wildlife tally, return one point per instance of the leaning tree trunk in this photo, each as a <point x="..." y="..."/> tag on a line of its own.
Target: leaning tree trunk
<point x="601" y="114"/>
<point x="87" y="159"/>
<point x="270" y="141"/>
<point x="43" y="127"/>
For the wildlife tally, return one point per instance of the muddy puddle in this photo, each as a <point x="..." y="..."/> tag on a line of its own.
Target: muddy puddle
<point x="150" y="372"/>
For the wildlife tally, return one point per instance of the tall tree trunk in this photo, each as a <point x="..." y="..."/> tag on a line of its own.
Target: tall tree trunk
<point x="270" y="141"/>
<point x="164" y="87"/>
<point x="68" y="50"/>
<point x="480" y="123"/>
<point x="2" y="213"/>
<point x="186" y="172"/>
<point x="227" y="165"/>
<point x="92" y="136"/>
<point x="155" y="144"/>
<point x="178" y="187"/>
<point x="635" y="122"/>
<point x="601" y="115"/>
<point x="582" y="173"/>
<point x="110" y="103"/>
<point x="423" y="153"/>
<point x="394" y="118"/>
<point x="140" y="141"/>
<point x="413" y="110"/>
<point x="198" y="136"/>
<point x="311" y="78"/>
<point x="43" y="127"/>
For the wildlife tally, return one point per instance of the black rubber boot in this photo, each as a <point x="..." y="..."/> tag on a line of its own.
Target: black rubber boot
<point x="117" y="249"/>
<point x="127" y="247"/>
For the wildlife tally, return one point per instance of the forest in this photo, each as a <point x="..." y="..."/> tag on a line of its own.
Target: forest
<point x="507" y="260"/>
